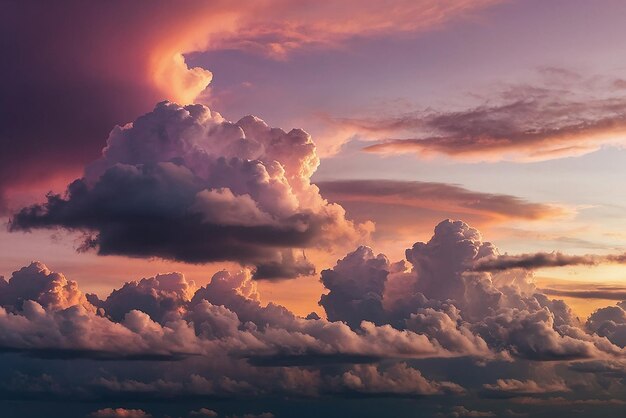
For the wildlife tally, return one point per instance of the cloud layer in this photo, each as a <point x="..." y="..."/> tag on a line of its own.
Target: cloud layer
<point x="386" y="320"/>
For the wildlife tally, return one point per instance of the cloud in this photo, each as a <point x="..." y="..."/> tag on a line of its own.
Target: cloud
<point x="543" y="260"/>
<point x="610" y="322"/>
<point x="119" y="413"/>
<point x="356" y="287"/>
<point x="389" y="325"/>
<point x="182" y="183"/>
<point x="399" y="379"/>
<point x="37" y="283"/>
<point x="461" y="411"/>
<point x="261" y="415"/>
<point x="561" y="401"/>
<point x="520" y="123"/>
<point x="436" y="196"/>
<point x="157" y="296"/>
<point x="437" y="292"/>
<point x="203" y="412"/>
<point x="514" y="387"/>
<point x="224" y="316"/>
<point x="136" y="61"/>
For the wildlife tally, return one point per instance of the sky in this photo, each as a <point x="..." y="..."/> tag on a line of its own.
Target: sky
<point x="289" y="208"/>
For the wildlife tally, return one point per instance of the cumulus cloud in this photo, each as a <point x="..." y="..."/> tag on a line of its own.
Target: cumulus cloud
<point x="461" y="411"/>
<point x="356" y="286"/>
<point x="431" y="305"/>
<point x="203" y="412"/>
<point x="182" y="183"/>
<point x="515" y="387"/>
<point x="157" y="296"/>
<point x="37" y="283"/>
<point x="226" y="315"/>
<point x="610" y="322"/>
<point x="384" y="320"/>
<point x="438" y="292"/>
<point x="399" y="379"/>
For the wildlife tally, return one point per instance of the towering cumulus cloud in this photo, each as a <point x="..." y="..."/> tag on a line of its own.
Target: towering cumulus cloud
<point x="182" y="183"/>
<point x="438" y="291"/>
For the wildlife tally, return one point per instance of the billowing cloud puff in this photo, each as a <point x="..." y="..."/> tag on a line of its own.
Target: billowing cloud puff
<point x="157" y="296"/>
<point x="162" y="318"/>
<point x="356" y="287"/>
<point x="36" y="283"/>
<point x="610" y="322"/>
<point x="396" y="380"/>
<point x="182" y="183"/>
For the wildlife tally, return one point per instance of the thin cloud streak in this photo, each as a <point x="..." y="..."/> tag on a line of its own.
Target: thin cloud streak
<point x="543" y="260"/>
<point x="523" y="124"/>
<point x="438" y="196"/>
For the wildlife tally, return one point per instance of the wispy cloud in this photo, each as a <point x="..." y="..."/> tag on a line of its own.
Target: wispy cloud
<point x="438" y="196"/>
<point x="520" y="123"/>
<point x="539" y="260"/>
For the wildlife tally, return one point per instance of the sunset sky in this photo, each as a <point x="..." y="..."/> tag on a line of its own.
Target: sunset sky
<point x="283" y="208"/>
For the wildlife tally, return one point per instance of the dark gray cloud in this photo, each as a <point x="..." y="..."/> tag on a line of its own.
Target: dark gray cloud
<point x="356" y="285"/>
<point x="515" y="387"/>
<point x="610" y="322"/>
<point x="542" y="260"/>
